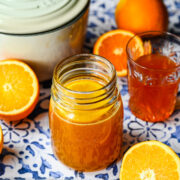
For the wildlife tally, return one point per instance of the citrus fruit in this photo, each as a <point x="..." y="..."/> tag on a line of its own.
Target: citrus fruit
<point x="147" y="47"/>
<point x="112" y="46"/>
<point x="19" y="90"/>
<point x="141" y="15"/>
<point x="1" y="139"/>
<point x="150" y="160"/>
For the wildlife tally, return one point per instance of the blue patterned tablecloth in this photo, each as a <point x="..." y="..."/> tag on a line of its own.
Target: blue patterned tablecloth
<point x="27" y="152"/>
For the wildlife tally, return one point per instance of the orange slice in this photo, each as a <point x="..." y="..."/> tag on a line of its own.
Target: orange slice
<point x="112" y="46"/>
<point x="19" y="90"/>
<point x="1" y="139"/>
<point x="147" y="48"/>
<point x="150" y="160"/>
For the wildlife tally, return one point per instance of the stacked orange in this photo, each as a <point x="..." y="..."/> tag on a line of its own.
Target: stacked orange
<point x="132" y="16"/>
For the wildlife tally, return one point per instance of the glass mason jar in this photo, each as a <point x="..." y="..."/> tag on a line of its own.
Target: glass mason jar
<point x="86" y="112"/>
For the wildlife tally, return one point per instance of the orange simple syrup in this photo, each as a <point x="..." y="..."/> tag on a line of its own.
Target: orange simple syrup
<point x="153" y="98"/>
<point x="86" y="139"/>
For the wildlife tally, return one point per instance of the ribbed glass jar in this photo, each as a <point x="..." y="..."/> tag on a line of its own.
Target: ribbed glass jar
<point x="86" y="112"/>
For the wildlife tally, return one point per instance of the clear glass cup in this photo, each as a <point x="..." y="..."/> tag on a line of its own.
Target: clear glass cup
<point x="153" y="75"/>
<point x="86" y="112"/>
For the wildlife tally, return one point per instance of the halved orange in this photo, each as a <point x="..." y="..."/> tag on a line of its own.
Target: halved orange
<point x="19" y="90"/>
<point x="150" y="160"/>
<point x="1" y="139"/>
<point x="112" y="46"/>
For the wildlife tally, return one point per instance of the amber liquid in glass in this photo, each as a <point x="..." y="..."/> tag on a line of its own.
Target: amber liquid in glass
<point x="152" y="96"/>
<point x="86" y="140"/>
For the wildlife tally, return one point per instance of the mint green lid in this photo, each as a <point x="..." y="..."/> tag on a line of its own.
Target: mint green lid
<point x="34" y="16"/>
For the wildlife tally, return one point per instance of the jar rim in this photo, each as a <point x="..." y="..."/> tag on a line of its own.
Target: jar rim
<point x="82" y="67"/>
<point x="95" y="57"/>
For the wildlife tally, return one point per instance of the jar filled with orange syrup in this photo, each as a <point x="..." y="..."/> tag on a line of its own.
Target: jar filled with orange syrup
<point x="86" y="112"/>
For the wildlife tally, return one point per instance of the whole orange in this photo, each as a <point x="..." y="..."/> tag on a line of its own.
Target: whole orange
<point x="141" y="15"/>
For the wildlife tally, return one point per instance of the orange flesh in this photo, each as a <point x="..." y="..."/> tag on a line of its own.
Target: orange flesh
<point x="1" y="139"/>
<point x="19" y="90"/>
<point x="150" y="160"/>
<point x="112" y="46"/>
<point x="11" y="85"/>
<point x="113" y="49"/>
<point x="94" y="140"/>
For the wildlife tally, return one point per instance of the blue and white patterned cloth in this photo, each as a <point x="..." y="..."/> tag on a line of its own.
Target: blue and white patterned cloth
<point x="27" y="152"/>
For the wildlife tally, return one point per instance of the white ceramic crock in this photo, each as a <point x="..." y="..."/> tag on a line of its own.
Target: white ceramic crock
<point x="42" y="32"/>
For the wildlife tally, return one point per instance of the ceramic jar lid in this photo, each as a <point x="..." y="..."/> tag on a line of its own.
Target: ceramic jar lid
<point x="34" y="16"/>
